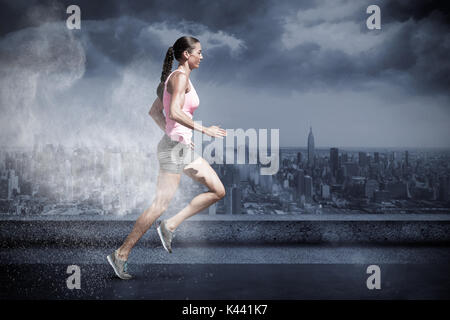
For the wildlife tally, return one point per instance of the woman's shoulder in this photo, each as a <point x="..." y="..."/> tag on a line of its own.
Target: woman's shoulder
<point x="178" y="80"/>
<point x="178" y="75"/>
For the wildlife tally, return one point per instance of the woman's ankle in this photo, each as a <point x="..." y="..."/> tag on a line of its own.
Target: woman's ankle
<point x="170" y="225"/>
<point x="122" y="255"/>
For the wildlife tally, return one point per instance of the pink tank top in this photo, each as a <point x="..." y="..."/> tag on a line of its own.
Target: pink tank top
<point x="176" y="131"/>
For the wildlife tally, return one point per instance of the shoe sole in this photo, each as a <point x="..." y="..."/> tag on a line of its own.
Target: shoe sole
<point x="162" y="239"/>
<point x="115" y="269"/>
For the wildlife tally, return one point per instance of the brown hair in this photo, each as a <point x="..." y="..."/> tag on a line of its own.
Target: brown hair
<point x="176" y="51"/>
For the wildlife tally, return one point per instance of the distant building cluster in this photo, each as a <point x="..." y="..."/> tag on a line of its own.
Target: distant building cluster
<point x="408" y="181"/>
<point x="53" y="180"/>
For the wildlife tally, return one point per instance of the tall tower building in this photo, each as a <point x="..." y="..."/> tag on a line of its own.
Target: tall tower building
<point x="4" y="188"/>
<point x="334" y="161"/>
<point x="228" y="201"/>
<point x="308" y="188"/>
<point x="228" y="176"/>
<point x="300" y="183"/>
<point x="344" y="158"/>
<point x="236" y="200"/>
<point x="299" y="158"/>
<point x="212" y="209"/>
<point x="310" y="148"/>
<point x="393" y="156"/>
<point x="233" y="201"/>
<point x="376" y="157"/>
<point x="13" y="183"/>
<point x="362" y="159"/>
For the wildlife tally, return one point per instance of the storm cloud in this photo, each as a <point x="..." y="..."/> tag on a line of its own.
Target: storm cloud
<point x="267" y="64"/>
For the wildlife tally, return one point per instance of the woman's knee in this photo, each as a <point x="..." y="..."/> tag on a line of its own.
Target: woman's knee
<point x="220" y="193"/>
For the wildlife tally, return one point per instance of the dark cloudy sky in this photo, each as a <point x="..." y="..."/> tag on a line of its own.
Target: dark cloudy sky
<point x="267" y="64"/>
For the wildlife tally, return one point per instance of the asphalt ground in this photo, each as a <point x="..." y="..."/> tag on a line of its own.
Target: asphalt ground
<point x="229" y="273"/>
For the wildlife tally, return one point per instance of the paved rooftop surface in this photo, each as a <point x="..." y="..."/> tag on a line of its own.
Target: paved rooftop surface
<point x="244" y="217"/>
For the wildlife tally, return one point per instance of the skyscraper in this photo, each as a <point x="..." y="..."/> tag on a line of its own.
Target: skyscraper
<point x="370" y="187"/>
<point x="325" y="191"/>
<point x="393" y="156"/>
<point x="308" y="188"/>
<point x="236" y="200"/>
<point x="310" y="148"/>
<point x="228" y="176"/>
<point x="13" y="184"/>
<point x="4" y="186"/>
<point x="362" y="159"/>
<point x="212" y="209"/>
<point x="228" y="200"/>
<point x="299" y="157"/>
<point x="334" y="161"/>
<point x="344" y="158"/>
<point x="300" y="183"/>
<point x="351" y="169"/>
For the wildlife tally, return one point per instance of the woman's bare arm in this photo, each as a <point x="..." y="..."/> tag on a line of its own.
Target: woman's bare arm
<point x="179" y="83"/>
<point x="156" y="112"/>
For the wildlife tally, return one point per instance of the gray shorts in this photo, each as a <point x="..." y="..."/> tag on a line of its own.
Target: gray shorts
<point x="173" y="156"/>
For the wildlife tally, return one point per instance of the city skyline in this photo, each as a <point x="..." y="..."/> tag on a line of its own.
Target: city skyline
<point x="315" y="180"/>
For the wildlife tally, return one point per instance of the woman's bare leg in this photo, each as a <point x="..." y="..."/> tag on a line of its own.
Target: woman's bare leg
<point x="200" y="171"/>
<point x="166" y="187"/>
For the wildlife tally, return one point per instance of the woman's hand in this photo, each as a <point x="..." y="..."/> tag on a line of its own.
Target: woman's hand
<point x="215" y="131"/>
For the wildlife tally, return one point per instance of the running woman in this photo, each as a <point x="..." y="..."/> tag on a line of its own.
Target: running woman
<point x="178" y="99"/>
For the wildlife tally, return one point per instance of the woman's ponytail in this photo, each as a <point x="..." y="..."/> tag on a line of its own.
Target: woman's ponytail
<point x="166" y="70"/>
<point x="174" y="52"/>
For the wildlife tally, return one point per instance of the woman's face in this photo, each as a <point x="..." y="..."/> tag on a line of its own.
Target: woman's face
<point x="195" y="57"/>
